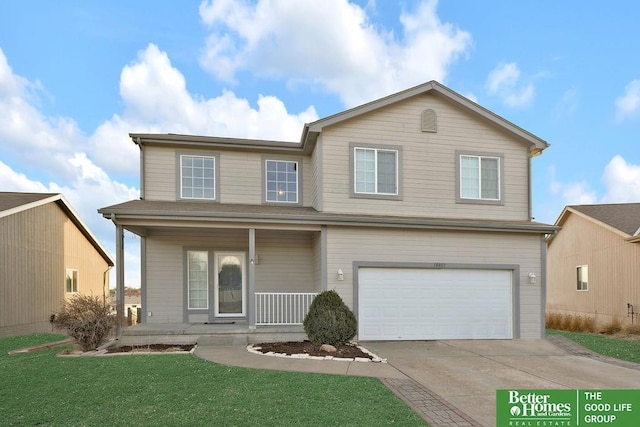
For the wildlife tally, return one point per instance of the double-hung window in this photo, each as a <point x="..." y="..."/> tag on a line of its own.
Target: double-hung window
<point x="281" y="181"/>
<point x="375" y="171"/>
<point x="480" y="177"/>
<point x="197" y="177"/>
<point x="71" y="281"/>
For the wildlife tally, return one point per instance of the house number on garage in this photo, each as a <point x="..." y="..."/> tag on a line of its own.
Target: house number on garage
<point x="439" y="265"/>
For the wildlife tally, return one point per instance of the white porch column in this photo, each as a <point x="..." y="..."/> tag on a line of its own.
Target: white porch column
<point x="252" y="278"/>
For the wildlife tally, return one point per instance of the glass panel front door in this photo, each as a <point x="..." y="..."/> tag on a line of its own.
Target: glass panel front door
<point x="230" y="284"/>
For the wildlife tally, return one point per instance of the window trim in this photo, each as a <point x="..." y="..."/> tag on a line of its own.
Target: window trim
<point x="216" y="175"/>
<point x="77" y="281"/>
<point x="458" y="183"/>
<point x="299" y="177"/>
<point x="352" y="171"/>
<point x="578" y="282"/>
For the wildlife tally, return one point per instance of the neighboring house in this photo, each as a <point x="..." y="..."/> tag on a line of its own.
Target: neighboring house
<point x="594" y="263"/>
<point x="47" y="254"/>
<point x="415" y="208"/>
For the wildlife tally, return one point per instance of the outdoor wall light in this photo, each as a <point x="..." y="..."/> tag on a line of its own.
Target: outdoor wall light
<point x="532" y="278"/>
<point x="340" y="274"/>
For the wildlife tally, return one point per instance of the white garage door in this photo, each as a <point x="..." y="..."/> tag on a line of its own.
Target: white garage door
<point x="426" y="304"/>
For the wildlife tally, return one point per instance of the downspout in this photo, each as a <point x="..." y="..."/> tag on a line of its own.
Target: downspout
<point x="119" y="276"/>
<point x="104" y="284"/>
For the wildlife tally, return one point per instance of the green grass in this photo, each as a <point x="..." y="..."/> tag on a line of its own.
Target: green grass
<point x="623" y="349"/>
<point x="42" y="389"/>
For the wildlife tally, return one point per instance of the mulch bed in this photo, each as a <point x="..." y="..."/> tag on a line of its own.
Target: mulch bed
<point x="307" y="347"/>
<point x="161" y="348"/>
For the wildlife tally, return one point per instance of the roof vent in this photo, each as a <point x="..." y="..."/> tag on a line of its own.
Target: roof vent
<point x="429" y="120"/>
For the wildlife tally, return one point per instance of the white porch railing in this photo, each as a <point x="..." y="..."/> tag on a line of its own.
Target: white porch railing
<point x="282" y="308"/>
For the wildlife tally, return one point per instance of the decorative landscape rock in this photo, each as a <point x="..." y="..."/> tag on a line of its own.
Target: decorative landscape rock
<point x="328" y="348"/>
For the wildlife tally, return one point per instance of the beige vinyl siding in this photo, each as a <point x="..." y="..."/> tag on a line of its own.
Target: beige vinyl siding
<point x="429" y="162"/>
<point x="32" y="273"/>
<point x="347" y="245"/>
<point x="35" y="246"/>
<point x="315" y="177"/>
<point x="79" y="254"/>
<point x="240" y="175"/>
<point x="614" y="271"/>
<point x="159" y="173"/>
<point x="165" y="291"/>
<point x="286" y="264"/>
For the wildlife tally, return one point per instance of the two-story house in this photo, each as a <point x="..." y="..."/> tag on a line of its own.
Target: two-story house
<point x="415" y="208"/>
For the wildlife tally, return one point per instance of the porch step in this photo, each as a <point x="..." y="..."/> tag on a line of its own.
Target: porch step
<point x="223" y="339"/>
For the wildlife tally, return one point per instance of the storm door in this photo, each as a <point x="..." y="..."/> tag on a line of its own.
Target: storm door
<point x="229" y="287"/>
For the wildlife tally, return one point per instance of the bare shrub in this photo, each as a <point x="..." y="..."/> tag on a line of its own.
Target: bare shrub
<point x="631" y="329"/>
<point x="612" y="327"/>
<point x="576" y="324"/>
<point x="87" y="319"/>
<point x="588" y="325"/>
<point x="552" y="320"/>
<point x="565" y="322"/>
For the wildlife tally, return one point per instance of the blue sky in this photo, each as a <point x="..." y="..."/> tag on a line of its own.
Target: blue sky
<point x="76" y="77"/>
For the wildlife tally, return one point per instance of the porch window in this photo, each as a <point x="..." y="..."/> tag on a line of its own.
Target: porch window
<point x="375" y="171"/>
<point x="281" y="180"/>
<point x="198" y="279"/>
<point x="582" y="273"/>
<point x="197" y="177"/>
<point x="71" y="279"/>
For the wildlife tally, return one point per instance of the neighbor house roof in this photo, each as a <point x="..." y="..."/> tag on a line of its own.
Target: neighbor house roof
<point x="622" y="218"/>
<point x="12" y="203"/>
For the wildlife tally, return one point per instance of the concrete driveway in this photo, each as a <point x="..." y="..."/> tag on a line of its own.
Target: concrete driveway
<point x="467" y="373"/>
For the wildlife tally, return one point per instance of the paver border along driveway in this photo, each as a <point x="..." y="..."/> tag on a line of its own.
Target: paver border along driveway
<point x="467" y="373"/>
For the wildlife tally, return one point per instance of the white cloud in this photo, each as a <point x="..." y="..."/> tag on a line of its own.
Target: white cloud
<point x="504" y="81"/>
<point x="331" y="44"/>
<point x="622" y="181"/>
<point x="628" y="104"/>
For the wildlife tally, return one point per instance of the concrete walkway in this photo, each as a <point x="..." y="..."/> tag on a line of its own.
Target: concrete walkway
<point x="454" y="383"/>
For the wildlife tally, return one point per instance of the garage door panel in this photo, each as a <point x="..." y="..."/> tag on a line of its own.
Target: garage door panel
<point x="405" y="304"/>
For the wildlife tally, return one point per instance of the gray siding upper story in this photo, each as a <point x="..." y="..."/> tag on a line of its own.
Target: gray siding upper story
<point x="428" y="163"/>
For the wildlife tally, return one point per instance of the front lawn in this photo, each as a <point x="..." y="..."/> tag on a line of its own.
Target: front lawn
<point x="620" y="348"/>
<point x="42" y="389"/>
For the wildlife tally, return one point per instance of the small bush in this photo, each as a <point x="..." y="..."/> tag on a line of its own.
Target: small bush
<point x="552" y="320"/>
<point x="87" y="319"/>
<point x="329" y="320"/>
<point x="612" y="327"/>
<point x="631" y="329"/>
<point x="588" y="325"/>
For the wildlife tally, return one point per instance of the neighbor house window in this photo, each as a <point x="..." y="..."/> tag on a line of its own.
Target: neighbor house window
<point x="375" y="171"/>
<point x="281" y="181"/>
<point x="197" y="177"/>
<point x="583" y="278"/>
<point x="71" y="281"/>
<point x="480" y="177"/>
<point x="198" y="279"/>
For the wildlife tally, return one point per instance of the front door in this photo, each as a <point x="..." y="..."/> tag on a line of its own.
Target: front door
<point x="230" y="286"/>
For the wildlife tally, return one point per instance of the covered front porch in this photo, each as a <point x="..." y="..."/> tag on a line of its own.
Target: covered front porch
<point x="255" y="282"/>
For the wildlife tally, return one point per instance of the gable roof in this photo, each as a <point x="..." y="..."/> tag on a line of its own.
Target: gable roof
<point x="622" y="218"/>
<point x="312" y="130"/>
<point x="12" y="203"/>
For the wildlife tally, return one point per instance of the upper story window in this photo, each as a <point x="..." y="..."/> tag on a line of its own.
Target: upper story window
<point x="582" y="273"/>
<point x="197" y="177"/>
<point x="71" y="281"/>
<point x="281" y="180"/>
<point x="480" y="178"/>
<point x="375" y="171"/>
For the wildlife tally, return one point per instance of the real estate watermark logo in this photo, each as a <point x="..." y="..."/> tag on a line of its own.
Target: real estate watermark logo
<point x="619" y="408"/>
